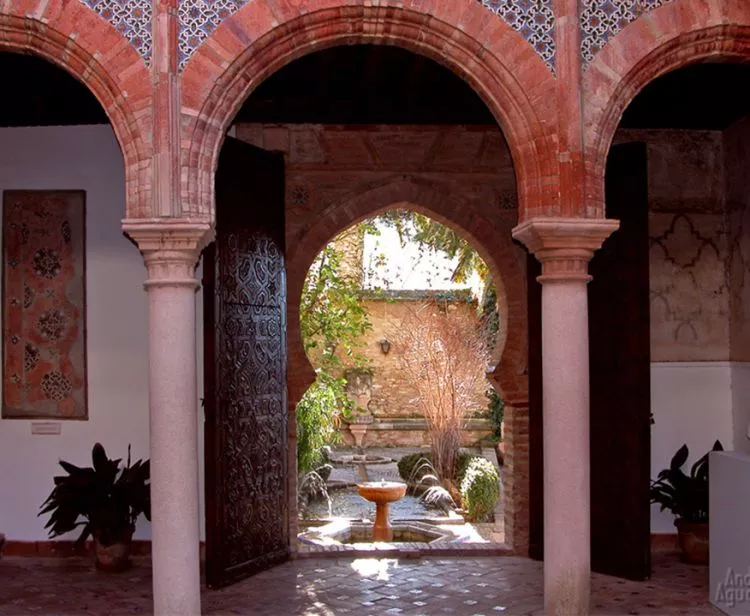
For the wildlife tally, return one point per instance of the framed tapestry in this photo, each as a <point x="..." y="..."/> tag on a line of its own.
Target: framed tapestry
<point x="44" y="304"/>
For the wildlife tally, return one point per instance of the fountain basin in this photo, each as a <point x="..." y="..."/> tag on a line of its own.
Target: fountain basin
<point x="382" y="491"/>
<point x="347" y="532"/>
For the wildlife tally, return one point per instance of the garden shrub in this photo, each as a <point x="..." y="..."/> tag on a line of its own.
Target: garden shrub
<point x="407" y="464"/>
<point x="480" y="488"/>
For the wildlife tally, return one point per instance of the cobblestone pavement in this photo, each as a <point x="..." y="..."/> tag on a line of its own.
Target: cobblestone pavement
<point x="458" y="586"/>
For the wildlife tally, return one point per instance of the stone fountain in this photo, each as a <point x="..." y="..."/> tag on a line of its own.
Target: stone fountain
<point x="382" y="493"/>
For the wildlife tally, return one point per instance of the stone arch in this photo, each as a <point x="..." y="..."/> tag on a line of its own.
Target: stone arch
<point x="73" y="37"/>
<point x="672" y="36"/>
<point x="260" y="38"/>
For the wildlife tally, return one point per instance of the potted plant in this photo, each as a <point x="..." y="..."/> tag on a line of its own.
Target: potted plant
<point x="106" y="500"/>
<point x="686" y="496"/>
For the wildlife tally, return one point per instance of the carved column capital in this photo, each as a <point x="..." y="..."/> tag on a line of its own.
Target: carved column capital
<point x="564" y="246"/>
<point x="170" y="249"/>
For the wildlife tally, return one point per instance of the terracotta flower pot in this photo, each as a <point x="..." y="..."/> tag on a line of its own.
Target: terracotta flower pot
<point x="114" y="558"/>
<point x="693" y="540"/>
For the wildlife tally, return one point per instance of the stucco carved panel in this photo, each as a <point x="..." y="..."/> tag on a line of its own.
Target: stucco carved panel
<point x="601" y="20"/>
<point x="132" y="18"/>
<point x="533" y="19"/>
<point x="690" y="294"/>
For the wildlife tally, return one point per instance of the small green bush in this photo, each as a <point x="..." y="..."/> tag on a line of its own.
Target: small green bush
<point x="480" y="488"/>
<point x="407" y="464"/>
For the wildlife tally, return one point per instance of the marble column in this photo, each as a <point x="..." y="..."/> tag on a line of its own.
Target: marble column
<point x="171" y="251"/>
<point x="565" y="247"/>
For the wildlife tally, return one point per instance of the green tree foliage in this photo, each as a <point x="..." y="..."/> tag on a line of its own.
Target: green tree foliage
<point x="430" y="234"/>
<point x="333" y="320"/>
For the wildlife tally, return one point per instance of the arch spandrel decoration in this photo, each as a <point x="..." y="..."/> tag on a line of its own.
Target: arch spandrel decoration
<point x="131" y="18"/>
<point x="533" y="19"/>
<point x="601" y="20"/>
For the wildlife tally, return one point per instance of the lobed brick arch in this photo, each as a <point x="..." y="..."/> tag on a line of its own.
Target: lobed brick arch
<point x="261" y="37"/>
<point x="674" y="35"/>
<point x="74" y="37"/>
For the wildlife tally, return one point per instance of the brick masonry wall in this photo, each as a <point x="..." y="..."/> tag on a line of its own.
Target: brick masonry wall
<point x="389" y="395"/>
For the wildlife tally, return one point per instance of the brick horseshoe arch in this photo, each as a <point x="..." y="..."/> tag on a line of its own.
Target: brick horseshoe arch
<point x="263" y="36"/>
<point x="677" y="34"/>
<point x="494" y="245"/>
<point x="75" y="38"/>
<point x="508" y="266"/>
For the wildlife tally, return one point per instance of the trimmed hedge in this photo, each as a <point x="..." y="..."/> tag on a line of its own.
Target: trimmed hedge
<point x="480" y="488"/>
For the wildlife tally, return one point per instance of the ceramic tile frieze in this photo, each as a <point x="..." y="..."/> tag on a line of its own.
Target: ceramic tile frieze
<point x="601" y="20"/>
<point x="132" y="18"/>
<point x="533" y="19"/>
<point x="198" y="19"/>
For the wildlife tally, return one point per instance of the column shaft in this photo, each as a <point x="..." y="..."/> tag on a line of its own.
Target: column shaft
<point x="567" y="560"/>
<point x="174" y="450"/>
<point x="565" y="246"/>
<point x="171" y="250"/>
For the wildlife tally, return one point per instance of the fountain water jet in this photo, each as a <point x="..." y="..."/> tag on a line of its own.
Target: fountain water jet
<point x="382" y="493"/>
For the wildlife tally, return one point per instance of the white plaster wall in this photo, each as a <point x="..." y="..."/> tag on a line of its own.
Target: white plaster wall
<point x="741" y="406"/>
<point x="86" y="158"/>
<point x="692" y="403"/>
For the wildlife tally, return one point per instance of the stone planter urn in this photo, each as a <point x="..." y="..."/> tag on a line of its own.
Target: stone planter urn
<point x="358" y="427"/>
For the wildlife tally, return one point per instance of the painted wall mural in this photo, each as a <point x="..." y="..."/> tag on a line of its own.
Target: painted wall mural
<point x="533" y="19"/>
<point x="132" y="18"/>
<point x="601" y="20"/>
<point x="44" y="305"/>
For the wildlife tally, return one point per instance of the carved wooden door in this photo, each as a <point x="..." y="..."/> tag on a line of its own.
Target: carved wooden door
<point x="619" y="346"/>
<point x="246" y="435"/>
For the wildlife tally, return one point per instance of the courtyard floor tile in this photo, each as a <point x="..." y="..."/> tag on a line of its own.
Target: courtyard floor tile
<point x="459" y="586"/>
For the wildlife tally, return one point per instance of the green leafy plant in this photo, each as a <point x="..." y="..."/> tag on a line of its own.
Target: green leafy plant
<point x="316" y="420"/>
<point x="686" y="496"/>
<point x="480" y="488"/>
<point x="333" y="321"/>
<point x="105" y="499"/>
<point x="496" y="413"/>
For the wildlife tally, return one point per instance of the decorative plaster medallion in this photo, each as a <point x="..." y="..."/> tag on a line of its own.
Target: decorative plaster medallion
<point x="132" y="18"/>
<point x="533" y="19"/>
<point x="601" y="20"/>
